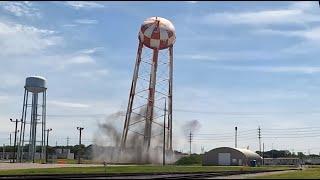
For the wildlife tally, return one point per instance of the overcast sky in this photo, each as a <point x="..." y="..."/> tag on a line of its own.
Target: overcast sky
<point x="244" y="64"/>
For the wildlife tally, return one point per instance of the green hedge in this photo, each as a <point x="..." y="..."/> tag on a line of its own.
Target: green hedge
<point x="190" y="160"/>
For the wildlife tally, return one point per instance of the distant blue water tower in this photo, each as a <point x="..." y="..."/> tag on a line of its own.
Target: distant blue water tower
<point x="33" y="116"/>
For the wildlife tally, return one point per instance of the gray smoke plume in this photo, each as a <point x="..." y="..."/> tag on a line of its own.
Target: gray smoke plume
<point x="191" y="126"/>
<point x="108" y="141"/>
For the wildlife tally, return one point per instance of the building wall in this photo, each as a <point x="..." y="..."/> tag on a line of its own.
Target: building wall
<point x="311" y="160"/>
<point x="237" y="158"/>
<point x="282" y="161"/>
<point x="212" y="157"/>
<point x="64" y="154"/>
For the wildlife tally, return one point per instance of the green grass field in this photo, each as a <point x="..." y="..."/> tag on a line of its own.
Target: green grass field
<point x="309" y="173"/>
<point x="134" y="169"/>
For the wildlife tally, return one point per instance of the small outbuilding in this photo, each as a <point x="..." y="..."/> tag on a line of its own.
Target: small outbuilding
<point x="227" y="156"/>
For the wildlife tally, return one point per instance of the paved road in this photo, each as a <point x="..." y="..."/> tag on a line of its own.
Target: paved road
<point x="246" y="176"/>
<point x="215" y="175"/>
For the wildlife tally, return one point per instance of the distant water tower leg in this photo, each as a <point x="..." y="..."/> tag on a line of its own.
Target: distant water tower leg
<point x="35" y="85"/>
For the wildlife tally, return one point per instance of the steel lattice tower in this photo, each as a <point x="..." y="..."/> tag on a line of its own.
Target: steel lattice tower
<point x="152" y="83"/>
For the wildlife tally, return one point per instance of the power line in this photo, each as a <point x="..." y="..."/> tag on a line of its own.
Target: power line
<point x="280" y="129"/>
<point x="318" y="135"/>
<point x="199" y="111"/>
<point x="77" y="115"/>
<point x="246" y="113"/>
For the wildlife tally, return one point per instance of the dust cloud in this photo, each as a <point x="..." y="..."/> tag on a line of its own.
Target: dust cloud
<point x="107" y="140"/>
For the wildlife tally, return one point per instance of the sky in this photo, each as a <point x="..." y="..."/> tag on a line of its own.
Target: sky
<point x="244" y="64"/>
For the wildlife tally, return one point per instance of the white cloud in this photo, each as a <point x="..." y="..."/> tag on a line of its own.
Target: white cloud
<point x="273" y="69"/>
<point x="310" y="39"/>
<point x="200" y="57"/>
<point x="10" y="80"/>
<point x="64" y="104"/>
<point x="305" y="47"/>
<point x="191" y="2"/>
<point x="70" y="25"/>
<point x="266" y="17"/>
<point x="84" y="4"/>
<point x="63" y="61"/>
<point x="305" y="5"/>
<point x="91" y="51"/>
<point x="297" y="13"/>
<point x="92" y="74"/>
<point x="86" y="21"/>
<point x="229" y="55"/>
<point x="4" y="99"/>
<point x="80" y="59"/>
<point x="20" y="39"/>
<point x="21" y="8"/>
<point x="311" y="34"/>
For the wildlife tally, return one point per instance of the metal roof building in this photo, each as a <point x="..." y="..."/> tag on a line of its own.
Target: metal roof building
<point x="227" y="156"/>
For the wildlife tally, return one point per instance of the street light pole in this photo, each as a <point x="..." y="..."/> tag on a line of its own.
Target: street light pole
<point x="80" y="130"/>
<point x="236" y="137"/>
<point x="48" y="130"/>
<point x="15" y="139"/>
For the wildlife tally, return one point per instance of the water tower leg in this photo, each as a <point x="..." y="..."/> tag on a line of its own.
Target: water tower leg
<point x="170" y="96"/>
<point x="33" y="126"/>
<point x="24" y="122"/>
<point x="44" y="121"/>
<point x="131" y="97"/>
<point x="150" y="106"/>
<point x="22" y="119"/>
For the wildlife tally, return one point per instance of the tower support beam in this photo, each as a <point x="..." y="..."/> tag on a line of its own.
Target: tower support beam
<point x="150" y="106"/>
<point x="131" y="96"/>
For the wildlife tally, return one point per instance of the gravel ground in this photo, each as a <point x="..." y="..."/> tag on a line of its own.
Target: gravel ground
<point x="6" y="166"/>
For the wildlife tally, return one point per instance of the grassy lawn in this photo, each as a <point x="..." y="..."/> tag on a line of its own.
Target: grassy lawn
<point x="309" y="173"/>
<point x="134" y="169"/>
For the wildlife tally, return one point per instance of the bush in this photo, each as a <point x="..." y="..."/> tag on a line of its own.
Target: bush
<point x="190" y="160"/>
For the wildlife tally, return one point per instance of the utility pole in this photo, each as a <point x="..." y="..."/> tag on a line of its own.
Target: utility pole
<point x="15" y="138"/>
<point x="80" y="130"/>
<point x="48" y="130"/>
<point x="262" y="153"/>
<point x="164" y="134"/>
<point x="10" y="138"/>
<point x="259" y="136"/>
<point x="10" y="142"/>
<point x="272" y="150"/>
<point x="68" y="141"/>
<point x="3" y="151"/>
<point x="236" y="136"/>
<point x="190" y="140"/>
